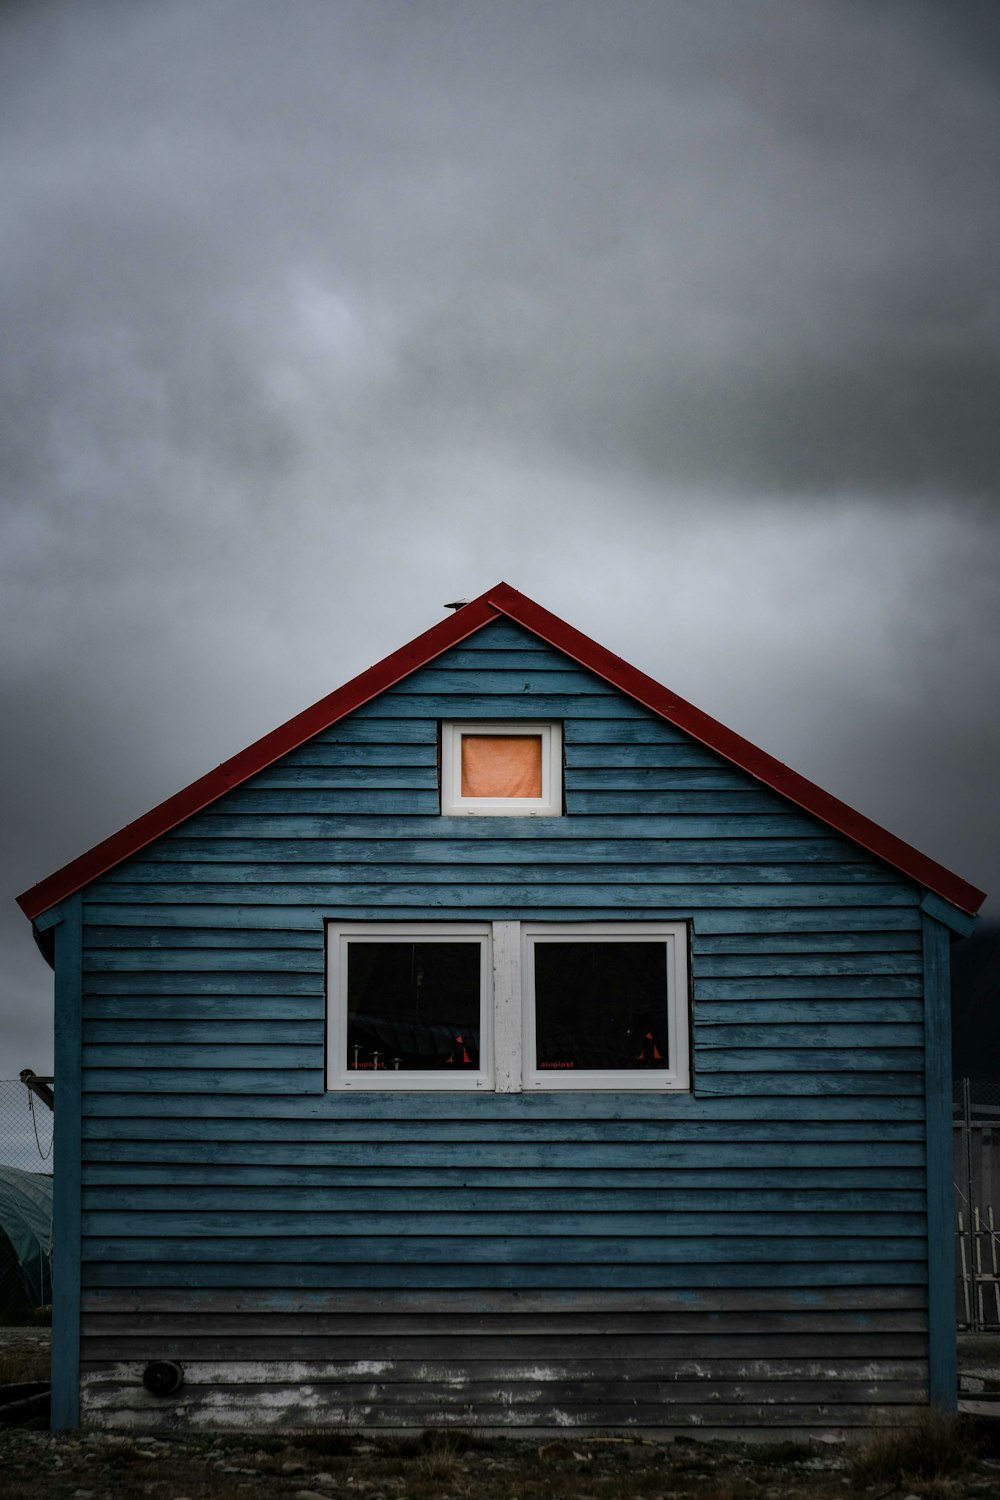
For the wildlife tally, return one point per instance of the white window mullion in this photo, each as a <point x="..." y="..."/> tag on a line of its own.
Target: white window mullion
<point x="507" y="1006"/>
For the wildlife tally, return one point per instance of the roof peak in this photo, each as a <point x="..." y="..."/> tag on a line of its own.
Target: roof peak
<point x="500" y="600"/>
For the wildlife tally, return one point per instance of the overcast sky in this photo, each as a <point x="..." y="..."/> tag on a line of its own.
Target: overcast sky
<point x="682" y="317"/>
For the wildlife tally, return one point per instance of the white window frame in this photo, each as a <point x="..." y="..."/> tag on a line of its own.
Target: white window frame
<point x="339" y="936"/>
<point x="507" y="1006"/>
<point x="674" y="937"/>
<point x="549" y="804"/>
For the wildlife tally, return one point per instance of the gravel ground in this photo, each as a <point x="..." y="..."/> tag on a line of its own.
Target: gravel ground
<point x="325" y="1466"/>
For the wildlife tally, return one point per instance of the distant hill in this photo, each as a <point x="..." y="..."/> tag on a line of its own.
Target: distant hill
<point x="975" y="1005"/>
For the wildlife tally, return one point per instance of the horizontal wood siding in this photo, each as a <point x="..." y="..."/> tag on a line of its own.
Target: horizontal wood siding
<point x="656" y="1361"/>
<point x="752" y="1251"/>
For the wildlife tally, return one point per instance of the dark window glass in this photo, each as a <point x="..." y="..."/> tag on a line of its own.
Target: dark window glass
<point x="600" y="1006"/>
<point x="413" y="1007"/>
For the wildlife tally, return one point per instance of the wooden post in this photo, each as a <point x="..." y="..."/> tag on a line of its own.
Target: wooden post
<point x="970" y="1198"/>
<point x="977" y="1240"/>
<point x="942" y="1349"/>
<point x="966" y="1302"/>
<point x="66" y="1169"/>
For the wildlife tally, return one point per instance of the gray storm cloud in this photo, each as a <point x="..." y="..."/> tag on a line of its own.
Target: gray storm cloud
<point x="685" y="319"/>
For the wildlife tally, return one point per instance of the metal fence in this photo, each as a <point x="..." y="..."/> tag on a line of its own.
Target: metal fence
<point x="976" y="1138"/>
<point x="25" y="1200"/>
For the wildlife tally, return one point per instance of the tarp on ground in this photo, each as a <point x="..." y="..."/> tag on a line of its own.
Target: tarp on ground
<point x="25" y="1238"/>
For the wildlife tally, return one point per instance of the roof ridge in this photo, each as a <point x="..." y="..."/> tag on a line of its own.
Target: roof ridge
<point x="504" y="600"/>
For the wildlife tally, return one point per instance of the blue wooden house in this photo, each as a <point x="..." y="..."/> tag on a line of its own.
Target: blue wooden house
<point x="503" y="1043"/>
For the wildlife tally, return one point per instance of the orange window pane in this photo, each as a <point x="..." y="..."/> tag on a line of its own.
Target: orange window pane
<point x="501" y="765"/>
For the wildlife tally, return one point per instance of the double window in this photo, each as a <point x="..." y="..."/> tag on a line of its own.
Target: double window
<point x="507" y="1005"/>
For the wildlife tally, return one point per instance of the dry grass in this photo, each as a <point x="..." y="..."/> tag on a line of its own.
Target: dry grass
<point x="446" y="1465"/>
<point x="24" y="1364"/>
<point x="436" y="1467"/>
<point x="939" y="1445"/>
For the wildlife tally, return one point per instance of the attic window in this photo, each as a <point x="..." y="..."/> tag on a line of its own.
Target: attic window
<point x="512" y="769"/>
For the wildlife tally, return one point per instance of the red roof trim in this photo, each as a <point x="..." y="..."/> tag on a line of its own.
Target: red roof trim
<point x="447" y="633"/>
<point x="263" y="752"/>
<point x="701" y="726"/>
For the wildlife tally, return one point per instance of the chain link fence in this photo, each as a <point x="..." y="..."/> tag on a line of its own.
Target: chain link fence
<point x="25" y="1201"/>
<point x="976" y="1140"/>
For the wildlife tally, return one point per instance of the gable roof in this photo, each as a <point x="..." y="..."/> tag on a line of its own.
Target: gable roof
<point x="495" y="603"/>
